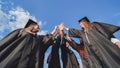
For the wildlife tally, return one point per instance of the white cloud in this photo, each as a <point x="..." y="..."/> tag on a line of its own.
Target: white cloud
<point x="42" y="32"/>
<point x="4" y="19"/>
<point x="15" y="18"/>
<point x="18" y="18"/>
<point x="0" y="6"/>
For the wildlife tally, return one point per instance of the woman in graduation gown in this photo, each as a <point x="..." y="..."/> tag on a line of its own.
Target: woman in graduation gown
<point x="18" y="49"/>
<point x="100" y="52"/>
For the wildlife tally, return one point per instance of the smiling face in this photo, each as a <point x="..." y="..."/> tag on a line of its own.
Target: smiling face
<point x="82" y="25"/>
<point x="35" y="28"/>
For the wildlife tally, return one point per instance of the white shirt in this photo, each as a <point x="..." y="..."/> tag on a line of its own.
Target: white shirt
<point x="114" y="40"/>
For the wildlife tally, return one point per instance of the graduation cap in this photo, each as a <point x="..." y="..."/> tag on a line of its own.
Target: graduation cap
<point x="84" y="19"/>
<point x="30" y="22"/>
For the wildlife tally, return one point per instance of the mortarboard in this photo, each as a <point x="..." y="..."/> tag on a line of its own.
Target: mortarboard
<point x="30" y="22"/>
<point x="83" y="19"/>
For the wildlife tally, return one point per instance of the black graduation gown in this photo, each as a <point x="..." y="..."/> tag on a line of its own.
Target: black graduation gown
<point x="44" y="42"/>
<point x="53" y="59"/>
<point x="68" y="57"/>
<point x="73" y="59"/>
<point x="78" y="47"/>
<point x="100" y="52"/>
<point x="18" y="49"/>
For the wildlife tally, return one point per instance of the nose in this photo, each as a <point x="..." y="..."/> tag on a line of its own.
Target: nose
<point x="80" y="24"/>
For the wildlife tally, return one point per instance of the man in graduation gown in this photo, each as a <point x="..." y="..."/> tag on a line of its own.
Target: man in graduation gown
<point x="100" y="52"/>
<point x="68" y="57"/>
<point x="18" y="49"/>
<point x="53" y="58"/>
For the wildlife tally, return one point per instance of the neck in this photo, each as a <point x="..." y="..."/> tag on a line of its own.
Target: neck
<point x="86" y="30"/>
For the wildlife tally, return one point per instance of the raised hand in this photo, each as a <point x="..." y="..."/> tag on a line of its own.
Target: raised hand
<point x="54" y="32"/>
<point x="61" y="26"/>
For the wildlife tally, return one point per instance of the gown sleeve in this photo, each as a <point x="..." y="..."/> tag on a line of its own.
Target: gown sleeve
<point x="73" y="44"/>
<point x="53" y="58"/>
<point x="9" y="39"/>
<point x="74" y="33"/>
<point x="106" y="29"/>
<point x="48" y="39"/>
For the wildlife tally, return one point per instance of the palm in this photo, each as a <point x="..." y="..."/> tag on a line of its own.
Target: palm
<point x="61" y="27"/>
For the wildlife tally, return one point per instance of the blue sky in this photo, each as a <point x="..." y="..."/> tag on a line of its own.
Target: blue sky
<point x="49" y="13"/>
<point x="53" y="12"/>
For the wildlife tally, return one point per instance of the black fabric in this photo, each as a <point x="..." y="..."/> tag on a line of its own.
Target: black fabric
<point x="84" y="19"/>
<point x="106" y="29"/>
<point x="73" y="59"/>
<point x="78" y="47"/>
<point x="44" y="43"/>
<point x="68" y="57"/>
<point x="19" y="49"/>
<point x="8" y="39"/>
<point x="100" y="52"/>
<point x="16" y="50"/>
<point x="54" y="61"/>
<point x="65" y="59"/>
<point x="30" y="22"/>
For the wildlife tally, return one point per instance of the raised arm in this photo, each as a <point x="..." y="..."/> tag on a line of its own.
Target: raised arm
<point x="49" y="38"/>
<point x="72" y="32"/>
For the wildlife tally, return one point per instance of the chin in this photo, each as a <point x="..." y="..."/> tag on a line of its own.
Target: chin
<point x="36" y="31"/>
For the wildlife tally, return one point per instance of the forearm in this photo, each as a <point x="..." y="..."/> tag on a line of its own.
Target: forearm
<point x="54" y="32"/>
<point x="74" y="33"/>
<point x="73" y="44"/>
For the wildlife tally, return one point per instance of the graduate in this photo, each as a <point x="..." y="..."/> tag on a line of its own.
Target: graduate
<point x="54" y="58"/>
<point x="68" y="57"/>
<point x="100" y="52"/>
<point x="44" y="41"/>
<point x="19" y="48"/>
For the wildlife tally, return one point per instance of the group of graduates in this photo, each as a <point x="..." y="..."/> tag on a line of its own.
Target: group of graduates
<point x="98" y="47"/>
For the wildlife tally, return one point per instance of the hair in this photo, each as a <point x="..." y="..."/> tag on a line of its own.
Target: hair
<point x="88" y="25"/>
<point x="32" y="24"/>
